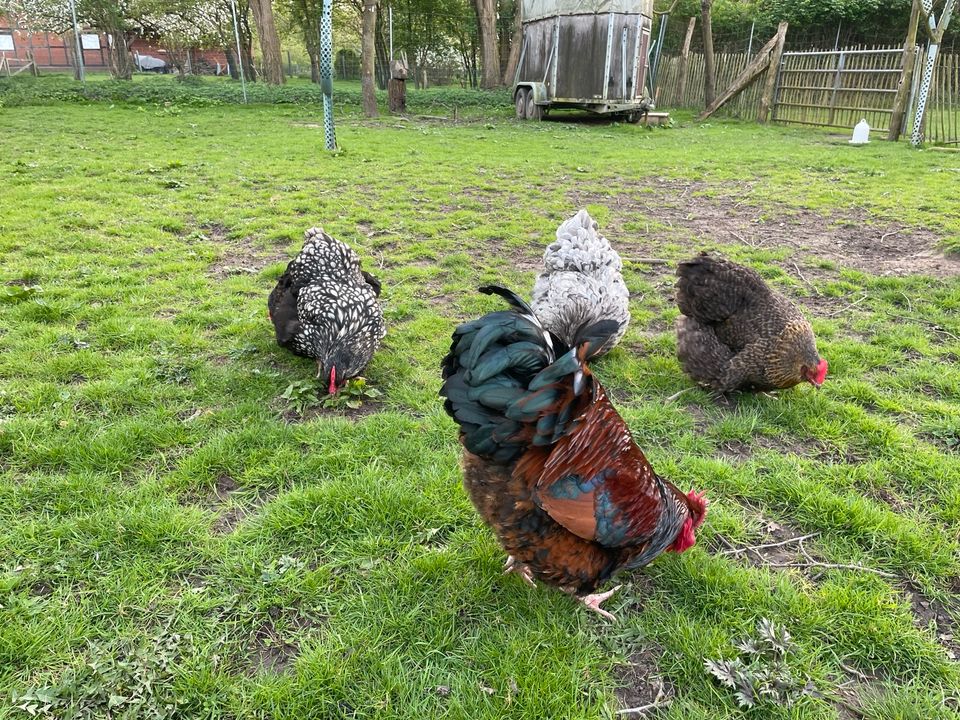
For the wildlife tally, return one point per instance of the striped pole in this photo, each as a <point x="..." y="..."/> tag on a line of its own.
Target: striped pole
<point x="326" y="72"/>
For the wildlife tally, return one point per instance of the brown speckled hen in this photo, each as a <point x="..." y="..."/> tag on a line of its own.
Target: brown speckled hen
<point x="738" y="334"/>
<point x="549" y="463"/>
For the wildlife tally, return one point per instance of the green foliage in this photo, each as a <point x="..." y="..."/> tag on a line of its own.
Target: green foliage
<point x="352" y="395"/>
<point x="168" y="93"/>
<point x="765" y="675"/>
<point x="302" y="395"/>
<point x="126" y="679"/>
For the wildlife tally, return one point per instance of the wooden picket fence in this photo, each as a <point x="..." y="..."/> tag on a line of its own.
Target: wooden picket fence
<point x="672" y="92"/>
<point x="826" y="88"/>
<point x="942" y="125"/>
<point x="838" y="88"/>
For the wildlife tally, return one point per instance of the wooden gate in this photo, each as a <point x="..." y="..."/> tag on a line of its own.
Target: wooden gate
<point x="837" y="88"/>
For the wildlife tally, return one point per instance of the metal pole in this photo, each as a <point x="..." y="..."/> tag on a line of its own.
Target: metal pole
<point x="76" y="36"/>
<point x="750" y="44"/>
<point x="236" y="35"/>
<point x="390" y="13"/>
<point x="660" y="33"/>
<point x="326" y="72"/>
<point x="836" y="43"/>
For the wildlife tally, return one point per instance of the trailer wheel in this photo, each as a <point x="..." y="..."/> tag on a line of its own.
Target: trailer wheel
<point x="534" y="111"/>
<point x="633" y="117"/>
<point x="521" y="102"/>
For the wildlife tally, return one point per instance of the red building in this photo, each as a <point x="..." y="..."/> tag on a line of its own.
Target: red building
<point x="49" y="50"/>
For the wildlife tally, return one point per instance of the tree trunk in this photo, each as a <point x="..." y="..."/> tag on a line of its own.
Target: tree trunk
<point x="121" y="64"/>
<point x="269" y="41"/>
<point x="685" y="62"/>
<point x="70" y="45"/>
<point x="516" y="42"/>
<point x="368" y="57"/>
<point x="314" y="67"/>
<point x="487" y="26"/>
<point x="382" y="67"/>
<point x="709" y="68"/>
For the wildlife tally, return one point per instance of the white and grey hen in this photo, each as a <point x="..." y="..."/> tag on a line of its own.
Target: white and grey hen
<point x="325" y="307"/>
<point x="581" y="283"/>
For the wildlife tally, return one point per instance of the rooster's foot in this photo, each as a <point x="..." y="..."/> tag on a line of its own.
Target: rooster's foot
<point x="592" y="602"/>
<point x="512" y="566"/>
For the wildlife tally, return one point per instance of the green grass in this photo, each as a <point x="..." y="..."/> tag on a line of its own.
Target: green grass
<point x="174" y="537"/>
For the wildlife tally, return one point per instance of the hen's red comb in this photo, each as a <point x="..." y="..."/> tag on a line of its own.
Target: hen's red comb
<point x="698" y="503"/>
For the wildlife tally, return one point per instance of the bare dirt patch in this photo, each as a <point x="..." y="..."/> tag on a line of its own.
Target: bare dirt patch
<point x="929" y="612"/>
<point x="850" y="238"/>
<point x="273" y="650"/>
<point x="369" y="407"/>
<point x="239" y="257"/>
<point x="229" y="513"/>
<point x="640" y="683"/>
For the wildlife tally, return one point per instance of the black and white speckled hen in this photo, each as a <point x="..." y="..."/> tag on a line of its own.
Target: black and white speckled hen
<point x="325" y="307"/>
<point x="549" y="463"/>
<point x="738" y="334"/>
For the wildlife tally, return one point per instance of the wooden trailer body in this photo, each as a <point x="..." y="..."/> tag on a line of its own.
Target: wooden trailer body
<point x="589" y="54"/>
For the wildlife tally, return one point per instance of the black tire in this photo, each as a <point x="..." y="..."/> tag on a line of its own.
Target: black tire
<point x="520" y="100"/>
<point x="534" y="111"/>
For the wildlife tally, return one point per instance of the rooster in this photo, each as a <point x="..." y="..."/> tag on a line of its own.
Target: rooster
<point x="325" y="307"/>
<point x="738" y="334"/>
<point x="549" y="463"/>
<point x="581" y="283"/>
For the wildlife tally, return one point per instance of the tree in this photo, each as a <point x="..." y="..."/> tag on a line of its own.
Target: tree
<point x="709" y="67"/>
<point x="487" y="26"/>
<point x="516" y="40"/>
<point x="305" y="14"/>
<point x="269" y="41"/>
<point x="368" y="57"/>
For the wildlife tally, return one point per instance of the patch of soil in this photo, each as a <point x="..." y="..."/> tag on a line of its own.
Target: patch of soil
<point x="928" y="611"/>
<point x="269" y="650"/>
<point x="369" y="407"/>
<point x="229" y="514"/>
<point x="239" y="256"/>
<point x="640" y="682"/>
<point x="850" y="239"/>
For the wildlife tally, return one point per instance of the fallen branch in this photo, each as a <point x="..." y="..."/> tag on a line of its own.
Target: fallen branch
<point x="658" y="703"/>
<point x="889" y="234"/>
<point x="737" y="551"/>
<point x="846" y="307"/>
<point x="676" y="395"/>
<point x="834" y="566"/>
<point x="809" y="284"/>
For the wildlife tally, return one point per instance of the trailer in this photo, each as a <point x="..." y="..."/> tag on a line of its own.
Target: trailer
<point x="588" y="54"/>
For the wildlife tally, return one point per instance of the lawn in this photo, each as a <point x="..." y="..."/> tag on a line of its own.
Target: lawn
<point x="181" y="541"/>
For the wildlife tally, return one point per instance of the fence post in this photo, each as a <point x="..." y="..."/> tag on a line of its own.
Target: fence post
<point x="685" y="62"/>
<point x="908" y="68"/>
<point x="837" y="79"/>
<point x="767" y="100"/>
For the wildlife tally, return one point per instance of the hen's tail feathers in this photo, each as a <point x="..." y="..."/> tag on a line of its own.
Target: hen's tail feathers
<point x="712" y="289"/>
<point x="372" y="282"/>
<point x="505" y="386"/>
<point x="515" y="301"/>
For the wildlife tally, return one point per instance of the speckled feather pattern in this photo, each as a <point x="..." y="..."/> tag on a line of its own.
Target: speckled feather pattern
<point x="324" y="307"/>
<point x="581" y="283"/>
<point x="736" y="333"/>
<point x="578" y="508"/>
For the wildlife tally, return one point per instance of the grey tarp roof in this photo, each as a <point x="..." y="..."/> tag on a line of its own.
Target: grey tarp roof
<point x="534" y="9"/>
